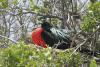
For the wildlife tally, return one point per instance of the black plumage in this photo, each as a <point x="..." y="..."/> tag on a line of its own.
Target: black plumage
<point x="52" y="36"/>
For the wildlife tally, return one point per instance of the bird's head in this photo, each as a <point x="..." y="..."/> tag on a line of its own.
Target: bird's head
<point x="45" y="25"/>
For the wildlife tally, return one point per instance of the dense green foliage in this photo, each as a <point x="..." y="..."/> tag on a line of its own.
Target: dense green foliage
<point x="32" y="55"/>
<point x="90" y="21"/>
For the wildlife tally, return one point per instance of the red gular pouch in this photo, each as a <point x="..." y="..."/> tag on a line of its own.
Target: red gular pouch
<point x="37" y="39"/>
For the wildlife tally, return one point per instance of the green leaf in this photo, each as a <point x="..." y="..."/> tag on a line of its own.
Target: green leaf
<point x="54" y="10"/>
<point x="6" y="40"/>
<point x="93" y="63"/>
<point x="90" y="3"/>
<point x="15" y="1"/>
<point x="58" y="65"/>
<point x="86" y="6"/>
<point x="67" y="3"/>
<point x="24" y="1"/>
<point x="85" y="18"/>
<point x="20" y="10"/>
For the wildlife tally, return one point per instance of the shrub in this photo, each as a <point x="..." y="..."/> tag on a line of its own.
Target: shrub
<point x="32" y="55"/>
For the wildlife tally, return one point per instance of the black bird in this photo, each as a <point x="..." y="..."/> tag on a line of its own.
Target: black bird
<point x="51" y="36"/>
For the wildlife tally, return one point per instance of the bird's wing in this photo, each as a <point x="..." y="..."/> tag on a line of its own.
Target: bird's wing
<point x="59" y="34"/>
<point x="47" y="38"/>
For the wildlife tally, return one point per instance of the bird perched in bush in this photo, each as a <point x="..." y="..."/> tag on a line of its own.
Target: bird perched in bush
<point x="51" y="36"/>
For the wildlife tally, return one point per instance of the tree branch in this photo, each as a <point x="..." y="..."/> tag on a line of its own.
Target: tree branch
<point x="9" y="39"/>
<point x="64" y="16"/>
<point x="75" y="38"/>
<point x="32" y="12"/>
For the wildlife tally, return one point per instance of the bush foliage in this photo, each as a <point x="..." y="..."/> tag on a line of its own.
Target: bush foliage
<point x="32" y="55"/>
<point x="92" y="19"/>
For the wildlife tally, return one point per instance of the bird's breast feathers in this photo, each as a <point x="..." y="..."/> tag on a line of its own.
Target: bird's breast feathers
<point x="38" y="29"/>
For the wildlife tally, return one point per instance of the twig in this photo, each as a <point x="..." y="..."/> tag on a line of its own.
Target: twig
<point x="75" y="38"/>
<point x="9" y="39"/>
<point x="78" y="47"/>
